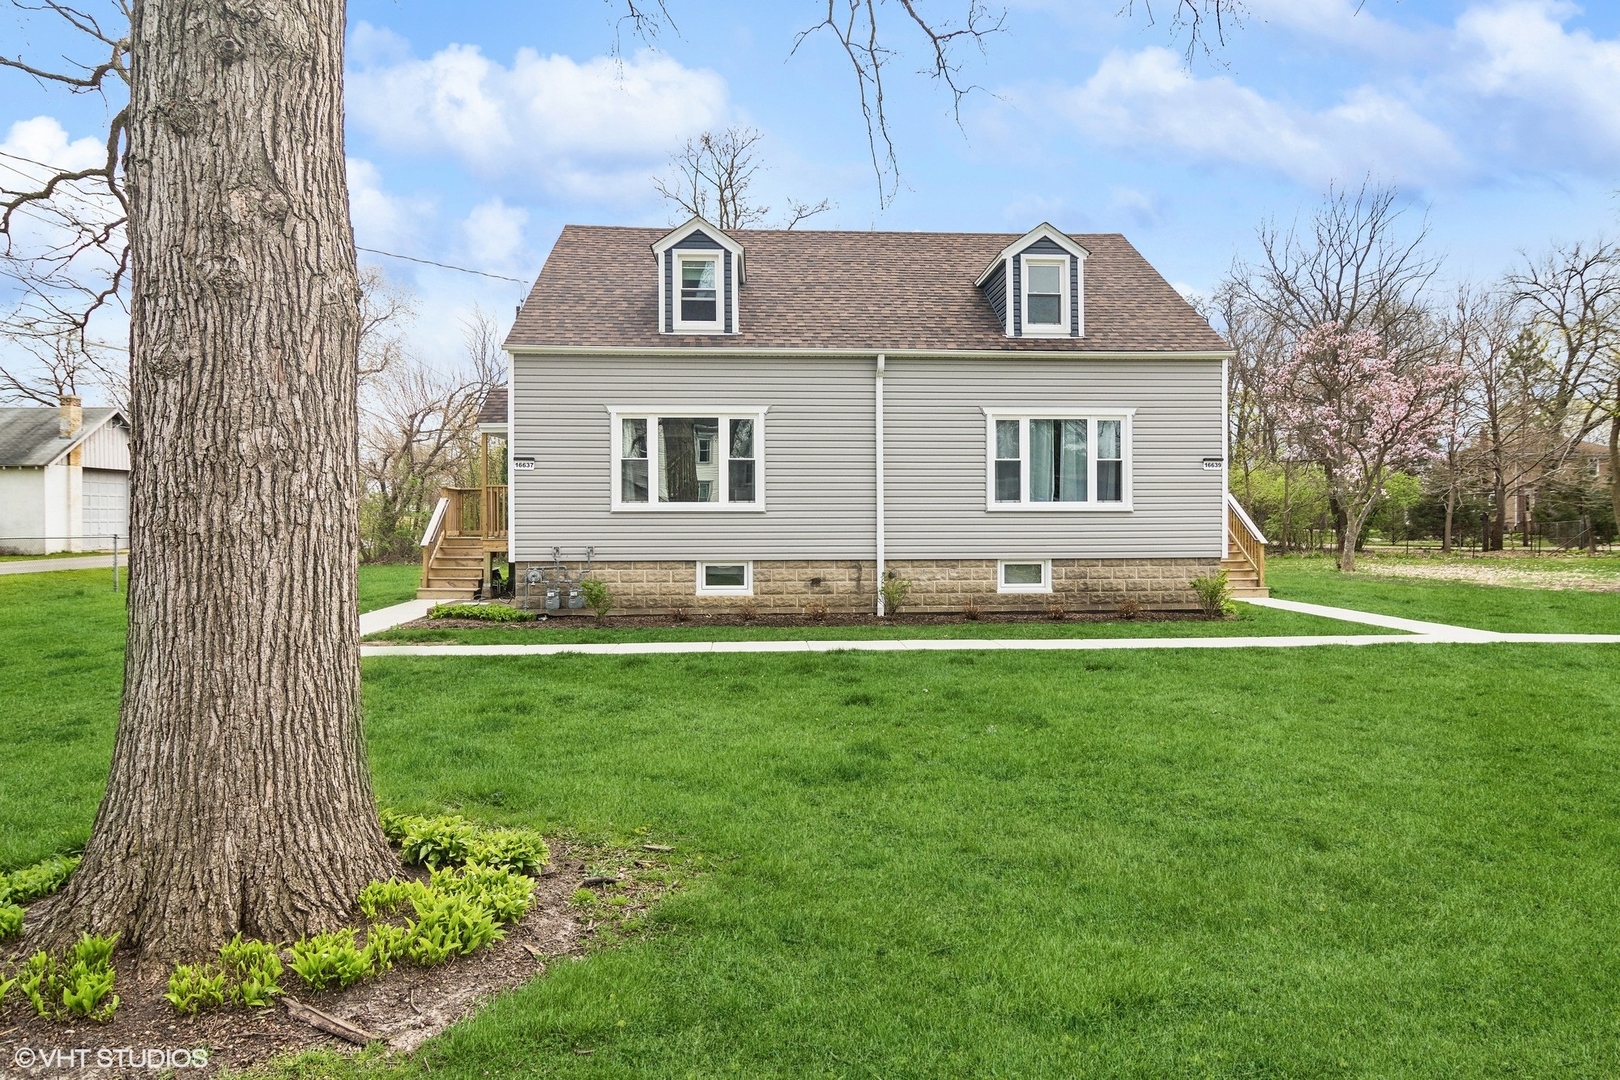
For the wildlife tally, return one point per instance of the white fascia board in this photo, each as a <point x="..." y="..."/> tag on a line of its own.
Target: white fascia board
<point x="1043" y="230"/>
<point x="673" y="239"/>
<point x="867" y="354"/>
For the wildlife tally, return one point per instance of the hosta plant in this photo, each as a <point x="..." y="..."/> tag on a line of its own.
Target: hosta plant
<point x="193" y="987"/>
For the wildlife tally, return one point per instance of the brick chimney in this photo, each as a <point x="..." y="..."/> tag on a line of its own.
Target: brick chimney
<point x="72" y="416"/>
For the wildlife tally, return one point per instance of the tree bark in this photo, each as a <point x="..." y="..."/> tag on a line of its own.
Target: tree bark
<point x="239" y="797"/>
<point x="1353" y="525"/>
<point x="1451" y="514"/>
<point x="1614" y="471"/>
<point x="1499" y="523"/>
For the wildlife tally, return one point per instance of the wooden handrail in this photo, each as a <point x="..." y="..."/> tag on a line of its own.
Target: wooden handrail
<point x="432" y="535"/>
<point x="1247" y="537"/>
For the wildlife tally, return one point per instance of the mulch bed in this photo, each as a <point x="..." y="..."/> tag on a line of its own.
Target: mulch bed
<point x="639" y="622"/>
<point x="404" y="1006"/>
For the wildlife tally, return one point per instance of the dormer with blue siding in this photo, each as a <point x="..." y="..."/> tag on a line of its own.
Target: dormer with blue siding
<point x="700" y="276"/>
<point x="1036" y="285"/>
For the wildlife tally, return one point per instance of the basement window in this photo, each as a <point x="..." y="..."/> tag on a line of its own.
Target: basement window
<point x="1024" y="576"/>
<point x="725" y="579"/>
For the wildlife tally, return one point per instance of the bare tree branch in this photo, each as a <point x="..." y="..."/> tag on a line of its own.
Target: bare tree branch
<point x="711" y="175"/>
<point x="642" y="19"/>
<point x="1198" y="18"/>
<point x="419" y="430"/>
<point x="62" y="230"/>
<point x="798" y="212"/>
<point x="857" y="29"/>
<point x="386" y="310"/>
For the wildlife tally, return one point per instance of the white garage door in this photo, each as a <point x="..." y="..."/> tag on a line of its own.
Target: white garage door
<point x="106" y="508"/>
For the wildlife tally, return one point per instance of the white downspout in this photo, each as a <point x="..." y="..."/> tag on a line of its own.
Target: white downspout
<point x="1226" y="454"/>
<point x="878" y="381"/>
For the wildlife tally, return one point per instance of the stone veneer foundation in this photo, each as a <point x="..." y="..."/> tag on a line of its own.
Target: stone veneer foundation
<point x="783" y="587"/>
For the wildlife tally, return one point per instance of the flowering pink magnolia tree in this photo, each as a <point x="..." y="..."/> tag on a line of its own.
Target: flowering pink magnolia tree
<point x="1347" y="402"/>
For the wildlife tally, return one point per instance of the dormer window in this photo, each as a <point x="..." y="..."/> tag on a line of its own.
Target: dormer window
<point x="700" y="280"/>
<point x="1046" y="296"/>
<point x="1036" y="285"/>
<point x="700" y="292"/>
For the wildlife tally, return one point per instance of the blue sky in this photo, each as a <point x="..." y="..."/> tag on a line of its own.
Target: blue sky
<point x="476" y="130"/>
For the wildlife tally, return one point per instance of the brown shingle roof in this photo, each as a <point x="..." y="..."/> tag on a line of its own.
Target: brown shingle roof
<point x="847" y="290"/>
<point x="493" y="410"/>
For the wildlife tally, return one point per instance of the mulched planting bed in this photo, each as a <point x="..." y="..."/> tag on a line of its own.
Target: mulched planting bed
<point x="403" y="1007"/>
<point x="639" y="622"/>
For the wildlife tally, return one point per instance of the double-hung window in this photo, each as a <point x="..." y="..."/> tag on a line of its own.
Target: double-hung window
<point x="688" y="462"/>
<point x="1046" y="296"/>
<point x="1059" y="461"/>
<point x="698" y="305"/>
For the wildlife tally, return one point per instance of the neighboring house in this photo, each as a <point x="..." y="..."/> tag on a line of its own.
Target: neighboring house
<point x="1020" y="422"/>
<point x="64" y="479"/>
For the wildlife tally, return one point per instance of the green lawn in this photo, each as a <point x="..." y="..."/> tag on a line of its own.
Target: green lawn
<point x="389" y="584"/>
<point x="1396" y="861"/>
<point x="61" y="667"/>
<point x="1483" y="607"/>
<point x="1249" y="621"/>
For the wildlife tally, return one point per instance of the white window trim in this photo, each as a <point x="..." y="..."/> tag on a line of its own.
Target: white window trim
<point x="747" y="588"/>
<point x="1065" y="316"/>
<point x="718" y="324"/>
<point x="1091" y="505"/>
<point x="1046" y="576"/>
<point x="617" y="414"/>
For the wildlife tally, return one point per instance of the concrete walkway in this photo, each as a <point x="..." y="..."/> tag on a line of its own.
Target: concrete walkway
<point x="1441" y="631"/>
<point x="102" y="561"/>
<point x="375" y="622"/>
<point x="1416" y="633"/>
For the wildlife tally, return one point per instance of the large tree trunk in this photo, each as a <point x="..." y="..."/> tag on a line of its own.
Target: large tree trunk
<point x="1451" y="514"/>
<point x="239" y="797"/>
<point x="1353" y="526"/>
<point x="1614" y="468"/>
<point x="1499" y="522"/>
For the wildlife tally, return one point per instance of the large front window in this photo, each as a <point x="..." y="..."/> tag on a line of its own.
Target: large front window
<point x="693" y="462"/>
<point x="700" y="291"/>
<point x="1058" y="461"/>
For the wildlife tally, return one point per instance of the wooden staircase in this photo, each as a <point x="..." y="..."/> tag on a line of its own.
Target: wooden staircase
<point x="1245" y="562"/>
<point x="468" y="524"/>
<point x="454" y="570"/>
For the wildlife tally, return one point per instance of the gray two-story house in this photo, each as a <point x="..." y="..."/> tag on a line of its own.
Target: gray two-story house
<point x="1018" y="422"/>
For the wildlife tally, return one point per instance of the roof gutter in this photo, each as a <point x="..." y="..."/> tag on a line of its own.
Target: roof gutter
<point x="866" y="354"/>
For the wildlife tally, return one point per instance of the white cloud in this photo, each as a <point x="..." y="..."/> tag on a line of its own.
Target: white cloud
<point x="382" y="219"/>
<point x="1346" y="22"/>
<point x="592" y="129"/>
<point x="493" y="238"/>
<point x="1559" y="88"/>
<point x="1148" y="102"/>
<point x="36" y="148"/>
<point x="1144" y="208"/>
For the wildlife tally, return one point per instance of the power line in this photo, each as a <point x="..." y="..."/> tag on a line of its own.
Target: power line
<point x="444" y="266"/>
<point x="369" y="251"/>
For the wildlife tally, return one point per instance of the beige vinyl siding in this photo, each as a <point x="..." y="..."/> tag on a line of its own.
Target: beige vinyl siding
<point x="935" y="444"/>
<point x="818" y="467"/>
